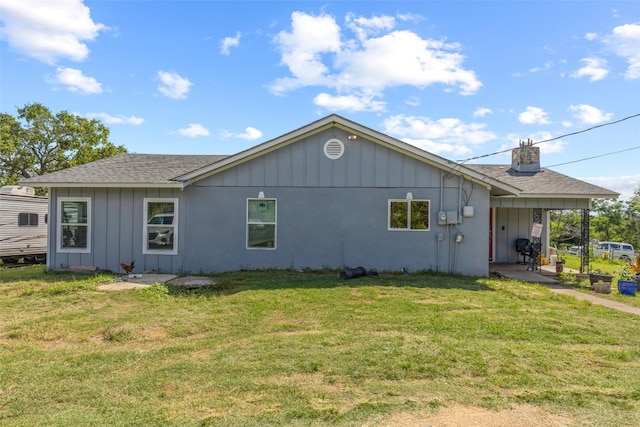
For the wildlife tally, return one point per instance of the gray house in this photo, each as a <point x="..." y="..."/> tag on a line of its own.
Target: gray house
<point x="327" y="195"/>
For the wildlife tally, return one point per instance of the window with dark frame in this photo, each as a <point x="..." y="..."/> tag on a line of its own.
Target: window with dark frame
<point x="27" y="219"/>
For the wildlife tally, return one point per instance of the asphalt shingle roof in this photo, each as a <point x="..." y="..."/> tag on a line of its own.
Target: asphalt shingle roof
<point x="162" y="169"/>
<point x="128" y="168"/>
<point x="544" y="182"/>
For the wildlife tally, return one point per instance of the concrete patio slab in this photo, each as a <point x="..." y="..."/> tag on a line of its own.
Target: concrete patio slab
<point x="148" y="279"/>
<point x="546" y="276"/>
<point x="144" y="279"/>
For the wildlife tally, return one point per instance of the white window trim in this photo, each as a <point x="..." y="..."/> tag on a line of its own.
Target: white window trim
<point x="408" y="215"/>
<point x="275" y="228"/>
<point x="59" y="224"/>
<point x="145" y="234"/>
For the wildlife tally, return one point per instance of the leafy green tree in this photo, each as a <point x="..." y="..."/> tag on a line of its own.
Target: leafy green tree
<point x="632" y="220"/>
<point x="37" y="142"/>
<point x="565" y="228"/>
<point x="608" y="222"/>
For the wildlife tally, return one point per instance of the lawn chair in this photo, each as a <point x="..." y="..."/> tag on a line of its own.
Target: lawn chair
<point x="523" y="247"/>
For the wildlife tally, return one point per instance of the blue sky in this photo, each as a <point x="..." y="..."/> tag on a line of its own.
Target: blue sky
<point x="459" y="79"/>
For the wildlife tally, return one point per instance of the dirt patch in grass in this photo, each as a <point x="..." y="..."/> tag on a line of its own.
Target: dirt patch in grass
<point x="464" y="416"/>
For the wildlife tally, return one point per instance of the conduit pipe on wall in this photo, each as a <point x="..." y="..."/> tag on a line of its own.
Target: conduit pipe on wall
<point x="460" y="180"/>
<point x="441" y="191"/>
<point x="438" y="253"/>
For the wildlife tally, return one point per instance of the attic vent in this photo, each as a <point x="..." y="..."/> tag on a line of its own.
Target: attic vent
<point x="333" y="149"/>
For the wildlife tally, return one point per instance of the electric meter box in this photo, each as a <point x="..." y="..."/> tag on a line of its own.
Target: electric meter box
<point x="452" y="217"/>
<point x="442" y="218"/>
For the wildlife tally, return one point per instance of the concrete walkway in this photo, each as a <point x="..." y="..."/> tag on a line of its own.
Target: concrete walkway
<point x="546" y="276"/>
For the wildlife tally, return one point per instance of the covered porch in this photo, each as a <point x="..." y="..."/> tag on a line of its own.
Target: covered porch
<point x="546" y="275"/>
<point x="522" y="218"/>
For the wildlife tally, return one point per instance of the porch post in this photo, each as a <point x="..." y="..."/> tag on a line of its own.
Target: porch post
<point x="584" y="240"/>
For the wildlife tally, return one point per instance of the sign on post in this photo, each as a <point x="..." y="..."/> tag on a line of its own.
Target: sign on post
<point x="536" y="230"/>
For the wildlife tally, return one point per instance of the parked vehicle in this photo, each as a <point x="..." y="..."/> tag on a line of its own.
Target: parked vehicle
<point x="575" y="250"/>
<point x="23" y="224"/>
<point x="614" y="250"/>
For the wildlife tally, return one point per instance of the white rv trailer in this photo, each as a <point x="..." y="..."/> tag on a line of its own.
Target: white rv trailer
<point x="23" y="224"/>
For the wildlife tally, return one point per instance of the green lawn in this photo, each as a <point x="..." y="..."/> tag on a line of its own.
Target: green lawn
<point x="605" y="266"/>
<point x="306" y="348"/>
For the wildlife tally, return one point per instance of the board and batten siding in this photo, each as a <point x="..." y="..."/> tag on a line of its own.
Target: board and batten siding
<point x="303" y="164"/>
<point x="334" y="213"/>
<point x="116" y="230"/>
<point x="330" y="214"/>
<point x="513" y="219"/>
<point x="541" y="203"/>
<point x="512" y="224"/>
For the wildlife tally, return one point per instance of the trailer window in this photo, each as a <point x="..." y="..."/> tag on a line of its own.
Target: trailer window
<point x="27" y="219"/>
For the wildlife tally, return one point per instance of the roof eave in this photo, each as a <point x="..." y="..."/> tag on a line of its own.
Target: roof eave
<point x="563" y="196"/>
<point x="164" y="184"/>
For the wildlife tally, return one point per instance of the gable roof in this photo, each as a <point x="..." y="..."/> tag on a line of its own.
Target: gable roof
<point x="360" y="131"/>
<point x="179" y="171"/>
<point x="126" y="170"/>
<point x="545" y="183"/>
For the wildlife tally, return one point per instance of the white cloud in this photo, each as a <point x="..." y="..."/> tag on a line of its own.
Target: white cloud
<point x="547" y="65"/>
<point x="348" y="103"/>
<point x="447" y="135"/>
<point x="625" y="185"/>
<point x="115" y="120"/>
<point x="173" y="85"/>
<point x="482" y="111"/>
<point x="302" y="50"/>
<point x="589" y="115"/>
<point x="594" y="68"/>
<point x="591" y="36"/>
<point x="250" y="134"/>
<point x="366" y="27"/>
<point x="403" y="58"/>
<point x="438" y="147"/>
<point x="624" y="41"/>
<point x="75" y="81"/>
<point x="228" y="42"/>
<point x="48" y="29"/>
<point x="378" y="57"/>
<point x="194" y="130"/>
<point x="533" y="115"/>
<point x="413" y="101"/>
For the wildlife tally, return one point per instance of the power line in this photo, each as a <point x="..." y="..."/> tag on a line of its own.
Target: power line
<point x="555" y="138"/>
<point x="593" y="157"/>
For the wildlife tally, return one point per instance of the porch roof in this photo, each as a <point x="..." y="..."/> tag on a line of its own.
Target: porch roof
<point x="544" y="184"/>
